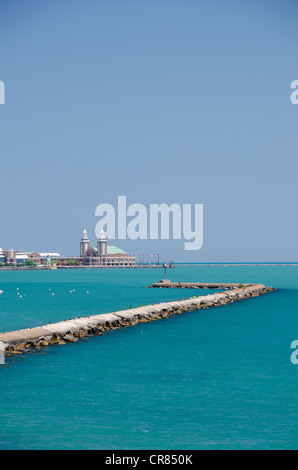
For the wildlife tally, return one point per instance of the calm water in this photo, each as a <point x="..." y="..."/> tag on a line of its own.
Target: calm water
<point x="213" y="379"/>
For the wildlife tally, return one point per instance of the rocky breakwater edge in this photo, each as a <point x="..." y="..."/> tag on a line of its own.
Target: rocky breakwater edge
<point x="16" y="342"/>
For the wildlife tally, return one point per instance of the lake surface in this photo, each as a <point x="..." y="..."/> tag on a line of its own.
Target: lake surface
<point x="218" y="378"/>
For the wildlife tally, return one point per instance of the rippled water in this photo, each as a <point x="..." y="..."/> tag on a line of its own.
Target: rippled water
<point x="217" y="378"/>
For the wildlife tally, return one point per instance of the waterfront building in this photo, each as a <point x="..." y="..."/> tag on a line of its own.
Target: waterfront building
<point x="85" y="244"/>
<point x="104" y="255"/>
<point x="45" y="256"/>
<point x="33" y="256"/>
<point x="14" y="257"/>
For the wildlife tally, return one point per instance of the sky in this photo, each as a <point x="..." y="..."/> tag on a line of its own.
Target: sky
<point x="163" y="101"/>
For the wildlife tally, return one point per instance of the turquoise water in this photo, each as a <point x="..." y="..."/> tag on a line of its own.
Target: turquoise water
<point x="211" y="379"/>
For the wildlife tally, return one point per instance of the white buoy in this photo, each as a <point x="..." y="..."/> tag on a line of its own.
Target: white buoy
<point x="1" y="292"/>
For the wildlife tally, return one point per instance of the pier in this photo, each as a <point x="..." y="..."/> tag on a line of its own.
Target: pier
<point x="166" y="284"/>
<point x="16" y="342"/>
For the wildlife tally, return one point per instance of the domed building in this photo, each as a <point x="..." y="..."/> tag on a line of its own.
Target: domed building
<point x="104" y="255"/>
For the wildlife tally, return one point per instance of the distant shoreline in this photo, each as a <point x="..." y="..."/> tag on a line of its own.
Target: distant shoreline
<point x="238" y="264"/>
<point x="58" y="268"/>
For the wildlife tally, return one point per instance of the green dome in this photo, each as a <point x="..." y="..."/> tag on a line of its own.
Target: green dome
<point x="113" y="250"/>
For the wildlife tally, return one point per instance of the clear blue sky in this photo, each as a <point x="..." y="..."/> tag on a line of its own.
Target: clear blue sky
<point x="162" y="101"/>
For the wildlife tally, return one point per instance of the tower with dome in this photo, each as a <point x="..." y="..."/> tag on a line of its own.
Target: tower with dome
<point x="103" y="254"/>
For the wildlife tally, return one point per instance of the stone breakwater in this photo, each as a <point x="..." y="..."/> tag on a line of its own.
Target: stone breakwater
<point x="198" y="285"/>
<point x="16" y="342"/>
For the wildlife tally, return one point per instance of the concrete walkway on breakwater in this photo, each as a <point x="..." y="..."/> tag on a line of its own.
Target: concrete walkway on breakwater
<point x="70" y="330"/>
